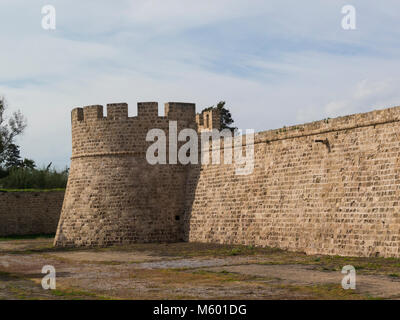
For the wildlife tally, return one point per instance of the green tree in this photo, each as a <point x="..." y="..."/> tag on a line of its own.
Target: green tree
<point x="226" y="117"/>
<point x="28" y="163"/>
<point x="10" y="128"/>
<point x="12" y="157"/>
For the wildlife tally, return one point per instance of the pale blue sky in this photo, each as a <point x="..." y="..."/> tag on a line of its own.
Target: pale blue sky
<point x="275" y="62"/>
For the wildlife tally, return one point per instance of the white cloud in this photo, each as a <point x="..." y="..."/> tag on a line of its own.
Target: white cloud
<point x="363" y="96"/>
<point x="276" y="63"/>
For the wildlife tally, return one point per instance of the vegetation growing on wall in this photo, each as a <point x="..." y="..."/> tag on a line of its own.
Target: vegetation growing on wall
<point x="226" y="117"/>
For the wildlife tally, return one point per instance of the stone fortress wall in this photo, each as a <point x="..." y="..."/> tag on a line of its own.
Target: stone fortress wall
<point x="327" y="187"/>
<point x="29" y="213"/>
<point x="114" y="196"/>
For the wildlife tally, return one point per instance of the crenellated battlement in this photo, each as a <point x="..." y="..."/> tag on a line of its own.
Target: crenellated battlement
<point x="92" y="112"/>
<point x="117" y="111"/>
<point x="94" y="133"/>
<point x="179" y="111"/>
<point x="147" y="109"/>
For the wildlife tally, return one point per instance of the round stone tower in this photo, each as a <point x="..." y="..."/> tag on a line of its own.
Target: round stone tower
<point x="114" y="196"/>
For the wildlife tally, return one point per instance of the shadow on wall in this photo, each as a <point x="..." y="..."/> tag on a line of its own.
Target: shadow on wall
<point x="191" y="186"/>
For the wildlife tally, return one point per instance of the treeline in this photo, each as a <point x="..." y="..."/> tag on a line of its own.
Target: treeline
<point x="33" y="178"/>
<point x="18" y="173"/>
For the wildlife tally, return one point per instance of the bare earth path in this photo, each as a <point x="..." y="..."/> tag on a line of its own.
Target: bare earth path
<point x="187" y="271"/>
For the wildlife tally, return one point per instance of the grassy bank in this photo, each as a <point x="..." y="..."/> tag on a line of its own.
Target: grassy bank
<point x="28" y="236"/>
<point x="31" y="190"/>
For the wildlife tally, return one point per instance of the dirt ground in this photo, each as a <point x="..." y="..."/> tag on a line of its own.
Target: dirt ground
<point x="187" y="271"/>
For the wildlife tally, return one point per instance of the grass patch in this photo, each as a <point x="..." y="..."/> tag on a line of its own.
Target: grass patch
<point x="224" y="275"/>
<point x="179" y="278"/>
<point x="21" y="294"/>
<point x="105" y="262"/>
<point x="7" y="276"/>
<point x="31" y="190"/>
<point x="363" y="265"/>
<point x="192" y="249"/>
<point x="324" y="292"/>
<point x="25" y="237"/>
<point x="235" y="252"/>
<point x="74" y="294"/>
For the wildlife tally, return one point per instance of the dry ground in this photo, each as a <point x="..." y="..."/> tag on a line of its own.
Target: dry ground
<point x="187" y="271"/>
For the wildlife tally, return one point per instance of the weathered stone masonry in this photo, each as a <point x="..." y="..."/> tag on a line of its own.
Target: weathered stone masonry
<point x="29" y="213"/>
<point x="328" y="187"/>
<point x="114" y="195"/>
